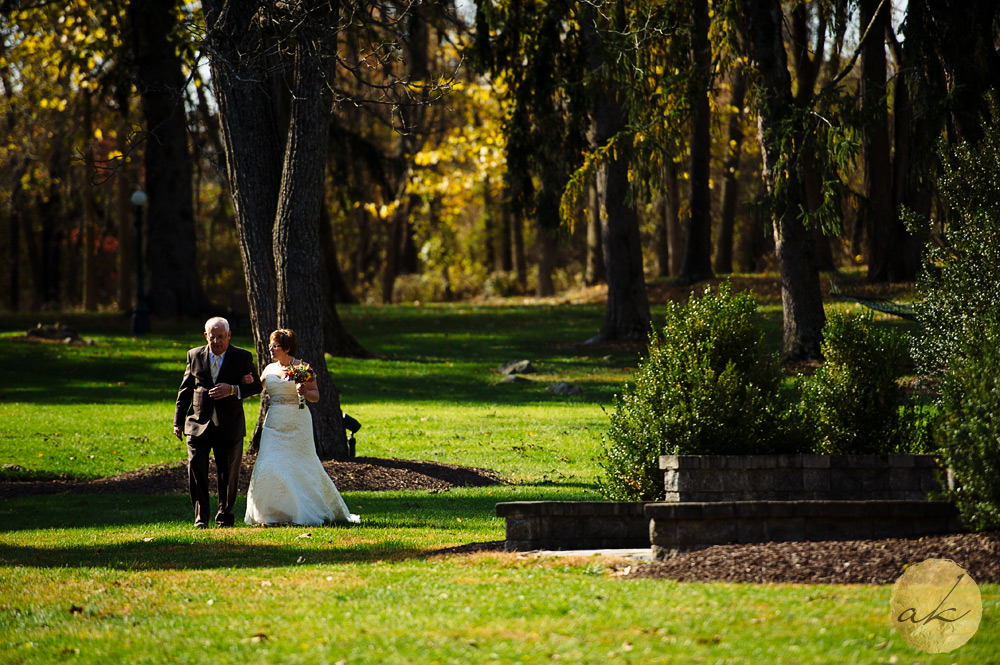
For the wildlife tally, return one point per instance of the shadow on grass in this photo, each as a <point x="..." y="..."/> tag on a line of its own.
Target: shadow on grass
<point x="153" y="532"/>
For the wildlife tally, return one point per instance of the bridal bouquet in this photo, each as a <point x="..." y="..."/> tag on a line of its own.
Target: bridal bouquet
<point x="300" y="374"/>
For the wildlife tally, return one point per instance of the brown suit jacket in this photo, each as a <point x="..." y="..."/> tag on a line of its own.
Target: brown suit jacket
<point x="195" y="407"/>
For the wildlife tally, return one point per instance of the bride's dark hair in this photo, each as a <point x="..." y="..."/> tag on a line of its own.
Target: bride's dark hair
<point x="285" y="338"/>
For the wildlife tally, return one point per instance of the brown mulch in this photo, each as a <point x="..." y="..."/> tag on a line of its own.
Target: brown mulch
<point x="358" y="474"/>
<point x="829" y="562"/>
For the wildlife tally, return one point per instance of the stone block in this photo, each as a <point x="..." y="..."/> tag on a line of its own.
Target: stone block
<point x="822" y="528"/>
<point x="898" y="461"/>
<point x="788" y="480"/>
<point x="904" y="479"/>
<point x="706" y="532"/>
<point x="752" y="531"/>
<point x="784" y="529"/>
<point x="874" y="478"/>
<point x="845" y="482"/>
<point x="811" y="461"/>
<point x="816" y="479"/>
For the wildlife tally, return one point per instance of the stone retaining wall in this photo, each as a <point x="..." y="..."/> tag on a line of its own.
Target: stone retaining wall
<point x="573" y="525"/>
<point x="680" y="527"/>
<point x="713" y="478"/>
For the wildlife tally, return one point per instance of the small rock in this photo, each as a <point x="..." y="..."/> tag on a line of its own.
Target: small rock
<point x="514" y="378"/>
<point x="563" y="388"/>
<point x="516" y="367"/>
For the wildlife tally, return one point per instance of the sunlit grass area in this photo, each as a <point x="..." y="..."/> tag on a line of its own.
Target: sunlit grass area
<point x="125" y="578"/>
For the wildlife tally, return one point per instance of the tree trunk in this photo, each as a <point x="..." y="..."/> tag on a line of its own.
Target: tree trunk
<point x="253" y="161"/>
<point x="89" y="219"/>
<point x="907" y="189"/>
<point x="801" y="299"/>
<point x="14" y="248"/>
<point x="697" y="263"/>
<point x="516" y="223"/>
<point x="675" y="231"/>
<point x="875" y="158"/>
<point x="174" y="286"/>
<point x="390" y="266"/>
<point x="594" y="272"/>
<point x="626" y="315"/>
<point x="296" y="229"/>
<point x="730" y="176"/>
<point x="545" y="252"/>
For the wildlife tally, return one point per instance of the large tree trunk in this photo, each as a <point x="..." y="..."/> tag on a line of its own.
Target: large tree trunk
<point x="730" y="175"/>
<point x="626" y="315"/>
<point x="296" y="245"/>
<point x="697" y="263"/>
<point x="174" y="286"/>
<point x="801" y="299"/>
<point x="908" y="190"/>
<point x="875" y="159"/>
<point x="253" y="160"/>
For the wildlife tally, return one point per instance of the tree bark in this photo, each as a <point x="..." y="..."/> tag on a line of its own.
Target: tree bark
<point x="626" y="315"/>
<point x="801" y="299"/>
<point x="594" y="272"/>
<point x="675" y="231"/>
<point x="516" y="224"/>
<point x="875" y="158"/>
<point x="174" y="286"/>
<point x="697" y="263"/>
<point x="545" y="252"/>
<point x="88" y="220"/>
<point x="730" y="176"/>
<point x="296" y="244"/>
<point x="907" y="189"/>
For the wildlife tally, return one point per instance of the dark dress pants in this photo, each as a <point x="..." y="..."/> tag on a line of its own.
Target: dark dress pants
<point x="228" y="458"/>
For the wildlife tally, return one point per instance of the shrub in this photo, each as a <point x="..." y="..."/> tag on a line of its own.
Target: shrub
<point x="708" y="386"/>
<point x="960" y="281"/>
<point x="968" y="431"/>
<point x="853" y="404"/>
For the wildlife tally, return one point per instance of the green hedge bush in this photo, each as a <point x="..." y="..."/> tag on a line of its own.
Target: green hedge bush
<point x="853" y="403"/>
<point x="708" y="386"/>
<point x="968" y="431"/>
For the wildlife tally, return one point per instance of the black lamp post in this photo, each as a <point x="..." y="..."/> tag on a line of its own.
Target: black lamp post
<point x="140" y="315"/>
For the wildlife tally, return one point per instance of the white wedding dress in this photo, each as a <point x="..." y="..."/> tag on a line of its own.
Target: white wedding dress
<point x="289" y="484"/>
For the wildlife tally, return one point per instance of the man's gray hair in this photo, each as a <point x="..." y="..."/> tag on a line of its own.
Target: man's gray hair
<point x="214" y="321"/>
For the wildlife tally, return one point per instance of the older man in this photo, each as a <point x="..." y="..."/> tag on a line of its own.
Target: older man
<point x="210" y="412"/>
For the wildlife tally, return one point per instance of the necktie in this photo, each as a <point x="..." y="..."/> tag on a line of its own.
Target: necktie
<point x="216" y="361"/>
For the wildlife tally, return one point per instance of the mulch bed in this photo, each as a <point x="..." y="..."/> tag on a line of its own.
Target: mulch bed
<point x="359" y="474"/>
<point x="829" y="562"/>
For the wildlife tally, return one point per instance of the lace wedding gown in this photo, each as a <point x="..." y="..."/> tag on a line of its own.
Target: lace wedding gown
<point x="289" y="483"/>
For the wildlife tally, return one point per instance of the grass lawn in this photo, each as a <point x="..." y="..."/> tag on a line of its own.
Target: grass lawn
<point x="124" y="578"/>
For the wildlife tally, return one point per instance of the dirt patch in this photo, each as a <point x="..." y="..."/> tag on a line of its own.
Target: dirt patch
<point x="359" y="474"/>
<point x="829" y="562"/>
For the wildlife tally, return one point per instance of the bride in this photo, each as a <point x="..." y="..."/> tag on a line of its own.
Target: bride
<point x="289" y="484"/>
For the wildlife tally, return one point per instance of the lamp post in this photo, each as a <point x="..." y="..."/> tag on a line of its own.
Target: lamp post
<point x="140" y="315"/>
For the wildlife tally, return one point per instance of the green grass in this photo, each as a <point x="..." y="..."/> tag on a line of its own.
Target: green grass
<point x="124" y="578"/>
